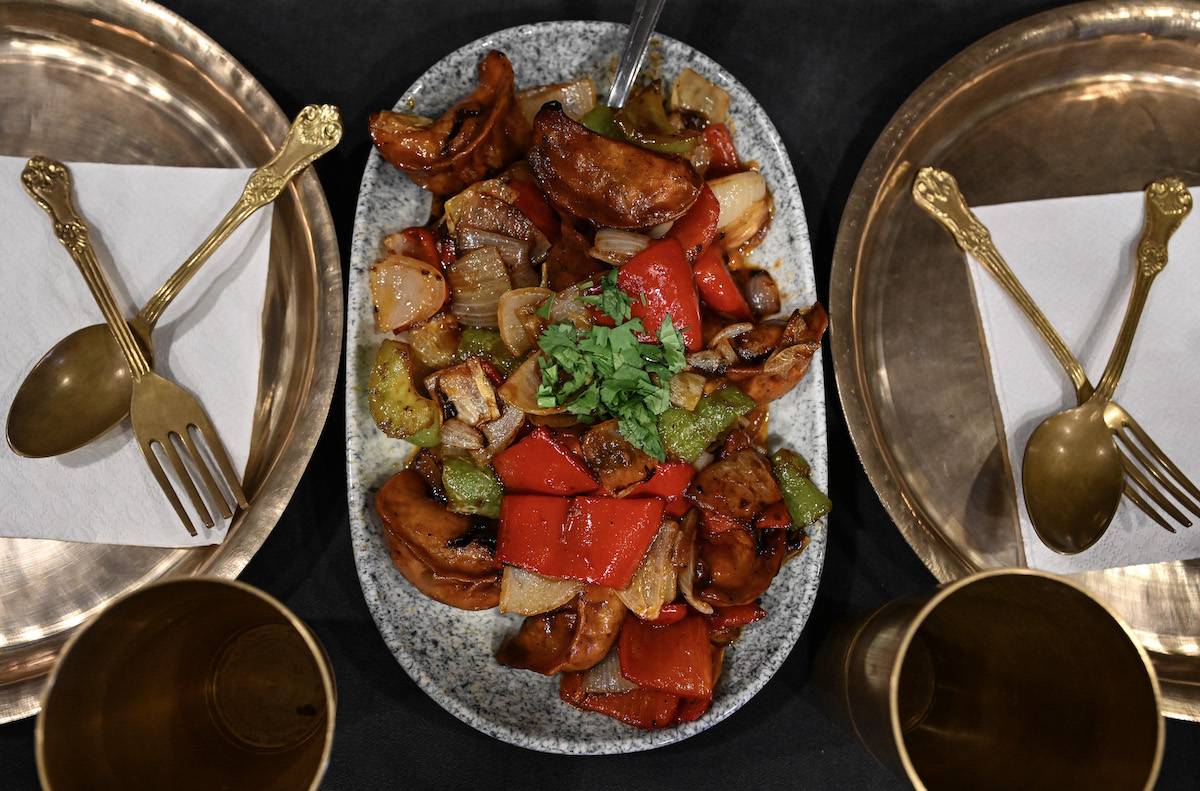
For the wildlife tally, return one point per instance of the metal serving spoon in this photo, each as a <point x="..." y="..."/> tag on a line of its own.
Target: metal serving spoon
<point x="81" y="388"/>
<point x="633" y="55"/>
<point x="1072" y="468"/>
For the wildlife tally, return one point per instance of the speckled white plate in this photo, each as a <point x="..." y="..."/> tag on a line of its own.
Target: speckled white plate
<point x="448" y="652"/>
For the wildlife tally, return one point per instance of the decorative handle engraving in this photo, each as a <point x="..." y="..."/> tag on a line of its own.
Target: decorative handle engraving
<point x="49" y="184"/>
<point x="316" y="130"/>
<point x="1168" y="202"/>
<point x="937" y="193"/>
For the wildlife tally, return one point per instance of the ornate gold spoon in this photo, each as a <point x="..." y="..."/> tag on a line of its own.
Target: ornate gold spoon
<point x="1072" y="469"/>
<point x="81" y="388"/>
<point x="937" y="193"/>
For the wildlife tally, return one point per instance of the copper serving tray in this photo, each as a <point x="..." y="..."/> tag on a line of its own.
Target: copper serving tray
<point x="127" y="81"/>
<point x="1091" y="98"/>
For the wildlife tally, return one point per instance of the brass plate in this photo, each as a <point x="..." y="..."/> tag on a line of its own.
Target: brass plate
<point x="128" y="81"/>
<point x="1091" y="98"/>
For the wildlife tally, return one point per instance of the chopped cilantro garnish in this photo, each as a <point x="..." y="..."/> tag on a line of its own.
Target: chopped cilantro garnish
<point x="611" y="300"/>
<point x="544" y="310"/>
<point x="606" y="372"/>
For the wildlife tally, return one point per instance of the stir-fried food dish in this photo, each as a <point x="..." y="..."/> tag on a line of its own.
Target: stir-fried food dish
<point x="585" y="359"/>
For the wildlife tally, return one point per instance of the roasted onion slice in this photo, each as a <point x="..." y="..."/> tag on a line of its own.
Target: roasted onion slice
<point x="404" y="291"/>
<point x="654" y="583"/>
<point x="529" y="593"/>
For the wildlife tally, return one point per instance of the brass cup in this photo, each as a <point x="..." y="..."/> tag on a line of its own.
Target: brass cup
<point x="188" y="684"/>
<point x="1005" y="679"/>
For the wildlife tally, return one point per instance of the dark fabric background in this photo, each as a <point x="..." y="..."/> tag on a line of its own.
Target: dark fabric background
<point x="830" y="74"/>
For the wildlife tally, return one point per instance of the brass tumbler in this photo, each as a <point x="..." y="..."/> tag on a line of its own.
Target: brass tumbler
<point x="188" y="684"/>
<point x="1001" y="680"/>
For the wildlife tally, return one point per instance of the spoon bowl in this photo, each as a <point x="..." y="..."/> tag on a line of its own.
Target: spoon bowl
<point x="79" y="390"/>
<point x="1073" y="478"/>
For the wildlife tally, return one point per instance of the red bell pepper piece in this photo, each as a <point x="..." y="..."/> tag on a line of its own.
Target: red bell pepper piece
<point x="676" y="658"/>
<point x="718" y="288"/>
<point x="540" y="464"/>
<point x="670" y="479"/>
<point x="697" y="228"/>
<point x="533" y="205"/>
<point x="737" y="615"/>
<point x="530" y="525"/>
<point x="600" y="540"/>
<point x="692" y="710"/>
<point x="670" y="613"/>
<point x="421" y="244"/>
<point x="660" y="282"/>
<point x="669" y="482"/>
<point x="613" y="536"/>
<point x="723" y="159"/>
<point x="775" y="516"/>
<point x="677" y="507"/>
<point x="642" y="708"/>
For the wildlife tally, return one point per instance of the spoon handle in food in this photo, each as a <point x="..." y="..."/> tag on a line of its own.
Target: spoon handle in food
<point x="937" y="193"/>
<point x="637" y="40"/>
<point x="316" y="130"/>
<point x="49" y="184"/>
<point x="1168" y="202"/>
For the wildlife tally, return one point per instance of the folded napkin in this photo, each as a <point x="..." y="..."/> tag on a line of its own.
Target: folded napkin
<point x="145" y="221"/>
<point x="1075" y="256"/>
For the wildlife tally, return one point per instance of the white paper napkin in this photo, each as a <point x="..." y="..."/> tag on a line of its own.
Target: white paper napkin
<point x="1075" y="256"/>
<point x="145" y="221"/>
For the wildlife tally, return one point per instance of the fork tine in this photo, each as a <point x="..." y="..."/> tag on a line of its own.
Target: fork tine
<point x="185" y="477"/>
<point x="205" y="427"/>
<point x="211" y="483"/>
<point x="1152" y="468"/>
<point x="1137" y="500"/>
<point x="1161" y="457"/>
<point x="1132" y="471"/>
<point x="165" y="485"/>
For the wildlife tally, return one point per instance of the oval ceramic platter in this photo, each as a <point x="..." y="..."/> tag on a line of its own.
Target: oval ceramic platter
<point x="448" y="652"/>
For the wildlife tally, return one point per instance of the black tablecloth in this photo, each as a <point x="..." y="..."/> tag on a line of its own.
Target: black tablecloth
<point x="830" y="74"/>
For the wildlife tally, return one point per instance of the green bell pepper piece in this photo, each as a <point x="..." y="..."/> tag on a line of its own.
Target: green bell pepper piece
<point x="805" y="502"/>
<point x="686" y="434"/>
<point x="477" y="342"/>
<point x="398" y="409"/>
<point x="602" y="120"/>
<point x="427" y="437"/>
<point x="643" y="121"/>
<point x="471" y="489"/>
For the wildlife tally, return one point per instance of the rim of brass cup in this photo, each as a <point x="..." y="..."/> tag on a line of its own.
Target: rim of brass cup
<point x="193" y="683"/>
<point x="1005" y="679"/>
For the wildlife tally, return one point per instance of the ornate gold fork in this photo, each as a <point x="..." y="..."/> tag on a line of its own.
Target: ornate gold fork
<point x="162" y="412"/>
<point x="938" y="194"/>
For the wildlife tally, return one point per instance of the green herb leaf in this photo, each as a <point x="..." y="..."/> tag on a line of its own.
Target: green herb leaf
<point x="605" y="372"/>
<point x="611" y="300"/>
<point x="672" y="345"/>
